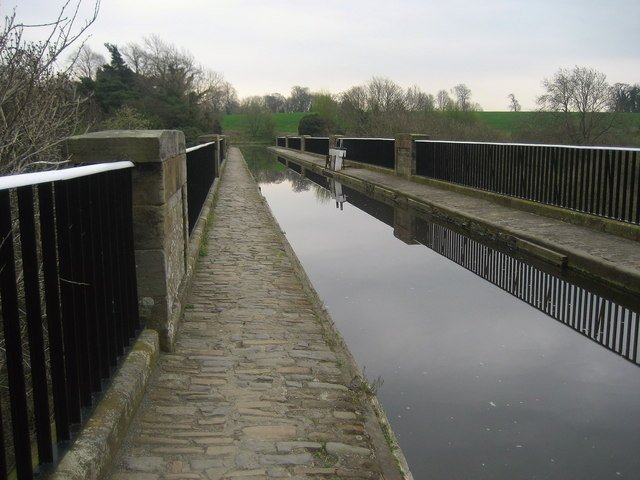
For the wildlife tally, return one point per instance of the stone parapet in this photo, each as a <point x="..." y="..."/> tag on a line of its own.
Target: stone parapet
<point x="405" y="151"/>
<point x="160" y="217"/>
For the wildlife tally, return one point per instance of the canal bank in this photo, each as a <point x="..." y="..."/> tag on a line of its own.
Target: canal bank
<point x="261" y="384"/>
<point x="604" y="258"/>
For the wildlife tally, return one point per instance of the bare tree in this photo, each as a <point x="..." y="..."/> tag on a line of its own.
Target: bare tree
<point x="463" y="97"/>
<point x="514" y="105"/>
<point x="384" y="95"/>
<point x="136" y="58"/>
<point x="300" y="99"/>
<point x="86" y="62"/>
<point x="625" y="97"/>
<point x="354" y="99"/>
<point x="579" y="97"/>
<point x="39" y="105"/>
<point x="443" y="100"/>
<point x="215" y="92"/>
<point x="275" y="102"/>
<point x="418" y="101"/>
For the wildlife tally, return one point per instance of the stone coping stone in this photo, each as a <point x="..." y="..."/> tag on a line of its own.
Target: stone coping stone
<point x="137" y="146"/>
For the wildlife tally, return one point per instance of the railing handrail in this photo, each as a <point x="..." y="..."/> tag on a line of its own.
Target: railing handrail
<point x="36" y="178"/>
<point x="197" y="147"/>
<point x="580" y="147"/>
<point x="366" y="138"/>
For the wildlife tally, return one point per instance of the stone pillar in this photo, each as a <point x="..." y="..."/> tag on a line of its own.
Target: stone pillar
<point x="303" y="142"/>
<point x="404" y="225"/>
<point x="286" y="141"/>
<point x="333" y="140"/>
<point x="160" y="221"/>
<point x="405" y="160"/>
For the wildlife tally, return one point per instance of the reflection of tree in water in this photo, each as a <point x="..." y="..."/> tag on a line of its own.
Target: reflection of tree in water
<point x="322" y="195"/>
<point x="263" y="166"/>
<point x="266" y="169"/>
<point x="298" y="182"/>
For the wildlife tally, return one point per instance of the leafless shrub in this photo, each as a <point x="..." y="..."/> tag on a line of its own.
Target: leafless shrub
<point x="39" y="105"/>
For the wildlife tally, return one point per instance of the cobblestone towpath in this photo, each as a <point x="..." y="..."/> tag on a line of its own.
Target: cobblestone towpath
<point x="259" y="385"/>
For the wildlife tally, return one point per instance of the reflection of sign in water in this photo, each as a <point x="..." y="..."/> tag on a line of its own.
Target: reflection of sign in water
<point x="336" y="156"/>
<point x="336" y="193"/>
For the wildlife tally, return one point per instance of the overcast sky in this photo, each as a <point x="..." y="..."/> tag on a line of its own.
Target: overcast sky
<point x="495" y="47"/>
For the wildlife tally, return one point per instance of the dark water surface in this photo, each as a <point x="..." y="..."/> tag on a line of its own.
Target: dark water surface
<point x="478" y="384"/>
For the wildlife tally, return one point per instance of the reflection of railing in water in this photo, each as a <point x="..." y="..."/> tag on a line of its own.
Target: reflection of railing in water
<point x="607" y="323"/>
<point x="611" y="325"/>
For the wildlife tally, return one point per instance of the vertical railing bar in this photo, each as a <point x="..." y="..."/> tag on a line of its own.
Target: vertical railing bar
<point x="90" y="274"/>
<point x="628" y="319"/>
<point x="635" y="339"/>
<point x="615" y="327"/>
<point x="3" y="457"/>
<point x="601" y="201"/>
<point x="625" y="177"/>
<point x="52" y="303"/>
<point x="66" y="300"/>
<point x="595" y="190"/>
<point x="99" y="272"/>
<point x="582" y="197"/>
<point x="80" y="287"/>
<point x="34" y="323"/>
<point x="619" y="156"/>
<point x="13" y="342"/>
<point x="636" y="179"/>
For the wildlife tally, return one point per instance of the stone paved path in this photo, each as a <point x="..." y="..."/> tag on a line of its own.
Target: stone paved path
<point x="257" y="387"/>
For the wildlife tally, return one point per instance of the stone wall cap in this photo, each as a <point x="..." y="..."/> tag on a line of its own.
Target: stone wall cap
<point x="138" y="146"/>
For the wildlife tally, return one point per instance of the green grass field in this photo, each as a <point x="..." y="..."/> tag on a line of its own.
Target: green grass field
<point x="503" y="122"/>
<point x="286" y="123"/>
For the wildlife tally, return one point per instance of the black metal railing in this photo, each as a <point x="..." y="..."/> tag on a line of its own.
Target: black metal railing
<point x="281" y="141"/>
<point x="599" y="181"/>
<point x="67" y="272"/>
<point x="295" y="143"/>
<point x="319" y="145"/>
<point x="201" y="173"/>
<point x="602" y="320"/>
<point x="374" y="151"/>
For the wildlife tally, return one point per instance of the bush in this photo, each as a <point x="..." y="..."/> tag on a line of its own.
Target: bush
<point x="314" y="125"/>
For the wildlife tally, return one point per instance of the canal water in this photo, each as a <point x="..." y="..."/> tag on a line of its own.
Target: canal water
<point x="488" y="368"/>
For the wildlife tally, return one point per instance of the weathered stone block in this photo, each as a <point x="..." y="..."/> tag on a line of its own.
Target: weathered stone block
<point x="137" y="146"/>
<point x="405" y="151"/>
<point x="151" y="272"/>
<point x="155" y="183"/>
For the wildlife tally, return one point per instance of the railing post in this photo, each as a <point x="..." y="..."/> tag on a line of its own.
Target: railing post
<point x="405" y="151"/>
<point x="160" y="220"/>
<point x="333" y="140"/>
<point x="303" y="139"/>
